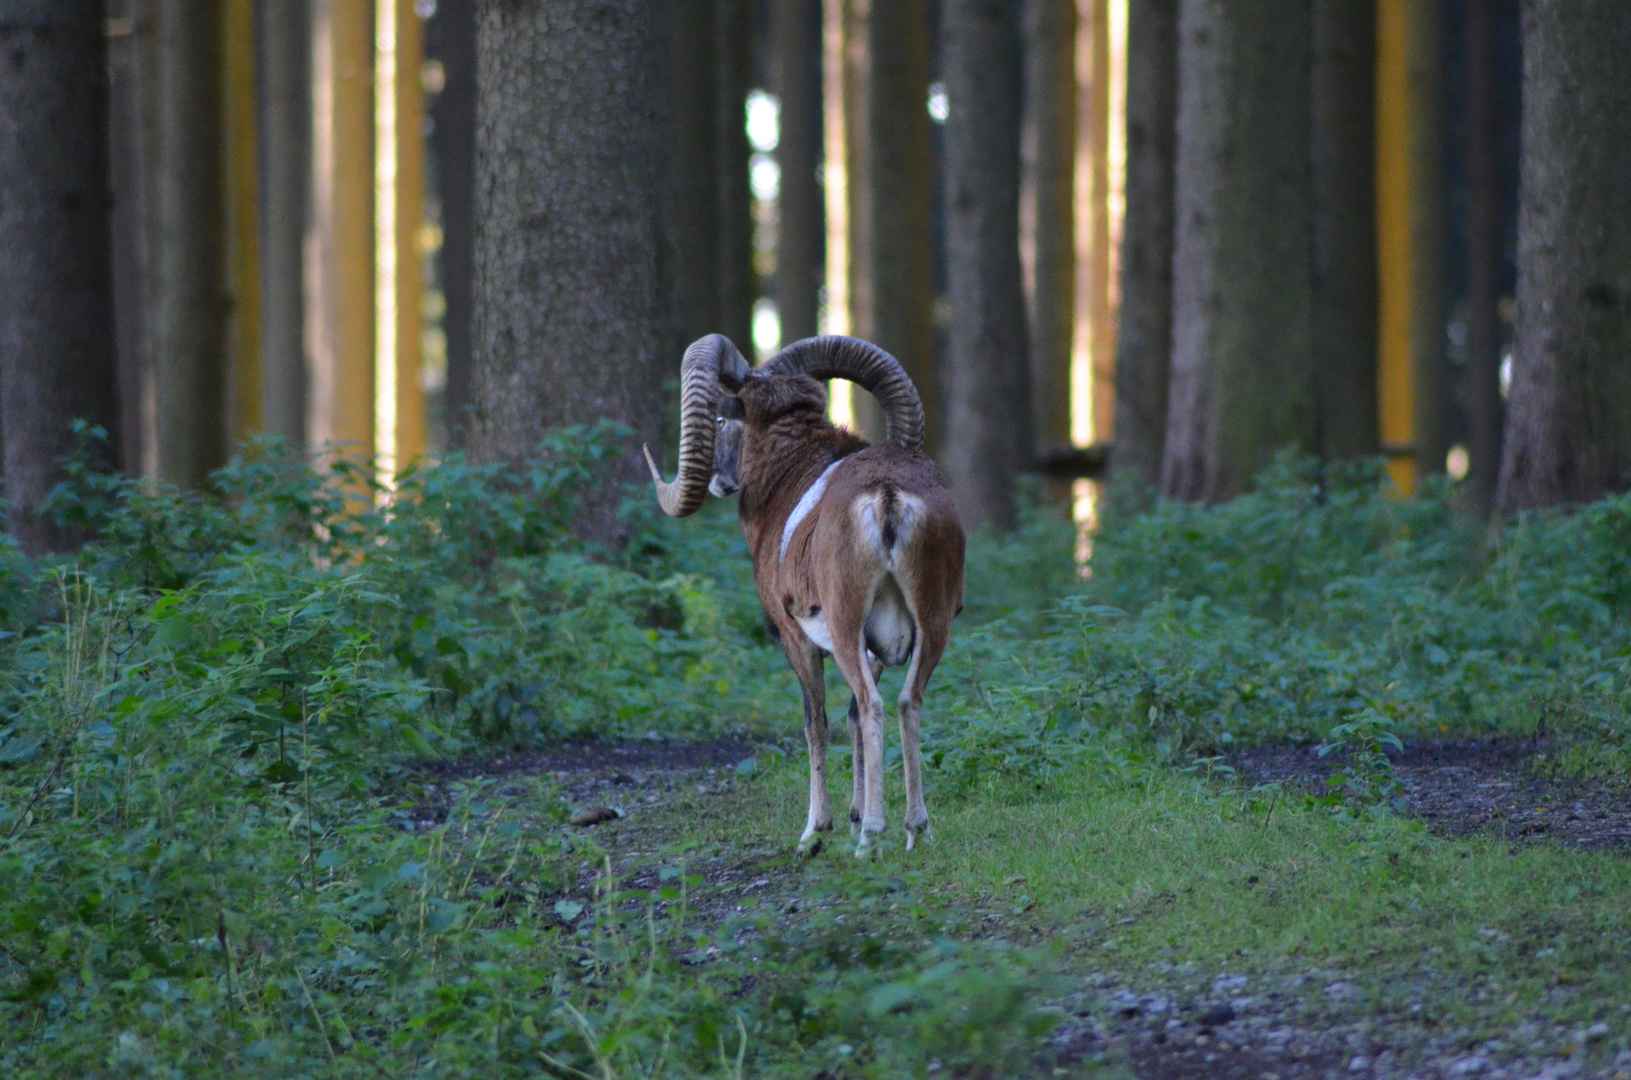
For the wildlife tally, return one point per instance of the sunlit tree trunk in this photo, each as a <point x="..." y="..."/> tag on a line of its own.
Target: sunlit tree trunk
<point x="800" y="248"/>
<point x="1344" y="215"/>
<point x="1144" y="333"/>
<point x="56" y="290"/>
<point x="1242" y="375"/>
<point x="567" y="246"/>
<point x="1568" y="432"/>
<point x="989" y="438"/>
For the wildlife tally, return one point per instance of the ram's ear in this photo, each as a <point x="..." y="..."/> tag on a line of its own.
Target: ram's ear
<point x="730" y="408"/>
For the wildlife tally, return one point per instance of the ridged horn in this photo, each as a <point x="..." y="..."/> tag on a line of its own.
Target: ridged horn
<point x="867" y="366"/>
<point x="699" y="396"/>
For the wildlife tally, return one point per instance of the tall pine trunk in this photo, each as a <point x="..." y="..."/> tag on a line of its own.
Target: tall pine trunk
<point x="989" y="436"/>
<point x="1344" y="216"/>
<point x="188" y="299"/>
<point x="695" y="163"/>
<point x="800" y="246"/>
<point x="900" y="243"/>
<point x="1242" y="373"/>
<point x="733" y="49"/>
<point x="1568" y="432"/>
<point x="1484" y="253"/>
<point x="567" y="245"/>
<point x="1048" y="213"/>
<point x="56" y="283"/>
<point x="1144" y="334"/>
<point x="451" y="34"/>
<point x="284" y="58"/>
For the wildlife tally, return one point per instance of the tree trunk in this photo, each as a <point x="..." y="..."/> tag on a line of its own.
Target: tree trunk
<point x="1484" y="253"/>
<point x="800" y="247"/>
<point x="696" y="197"/>
<point x="989" y="436"/>
<point x="900" y="245"/>
<point x="130" y="63"/>
<point x="567" y="245"/>
<point x="733" y="51"/>
<point x="189" y="300"/>
<point x="452" y="36"/>
<point x="1144" y="340"/>
<point x="56" y="290"/>
<point x="284" y="56"/>
<point x="1047" y="210"/>
<point x="1344" y="215"/>
<point x="1568" y="434"/>
<point x="1242" y="373"/>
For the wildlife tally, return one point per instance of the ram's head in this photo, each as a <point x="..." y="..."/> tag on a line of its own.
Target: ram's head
<point x="720" y="395"/>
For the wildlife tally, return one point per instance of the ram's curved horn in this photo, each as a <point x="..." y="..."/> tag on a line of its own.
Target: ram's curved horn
<point x="866" y="365"/>
<point x="699" y="396"/>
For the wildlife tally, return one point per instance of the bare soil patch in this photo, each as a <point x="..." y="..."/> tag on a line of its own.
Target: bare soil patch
<point x="1462" y="787"/>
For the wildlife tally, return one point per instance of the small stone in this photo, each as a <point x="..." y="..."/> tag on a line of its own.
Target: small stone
<point x="1218" y="1015"/>
<point x="1596" y="1032"/>
<point x="1468" y="1066"/>
<point x="1358" y="1063"/>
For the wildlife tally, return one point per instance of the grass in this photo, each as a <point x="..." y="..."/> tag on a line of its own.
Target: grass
<point x="1143" y="871"/>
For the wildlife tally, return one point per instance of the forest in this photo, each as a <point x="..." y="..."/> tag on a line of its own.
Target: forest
<point x="363" y="714"/>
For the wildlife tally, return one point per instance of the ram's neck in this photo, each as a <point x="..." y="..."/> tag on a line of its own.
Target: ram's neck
<point x="781" y="459"/>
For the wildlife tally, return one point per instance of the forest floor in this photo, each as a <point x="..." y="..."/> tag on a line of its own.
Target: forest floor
<point x="1486" y="934"/>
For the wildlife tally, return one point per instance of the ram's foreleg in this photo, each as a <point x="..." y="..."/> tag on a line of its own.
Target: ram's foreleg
<point x="806" y="661"/>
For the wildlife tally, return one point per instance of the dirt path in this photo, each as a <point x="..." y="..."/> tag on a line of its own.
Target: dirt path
<point x="1460" y="787"/>
<point x="1176" y="1024"/>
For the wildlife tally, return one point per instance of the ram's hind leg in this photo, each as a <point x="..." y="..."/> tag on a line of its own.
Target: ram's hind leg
<point x="931" y="643"/>
<point x="806" y="662"/>
<point x="857" y="797"/>
<point x="850" y="653"/>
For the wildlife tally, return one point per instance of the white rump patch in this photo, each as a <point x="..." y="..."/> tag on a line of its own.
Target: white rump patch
<point x="815" y="628"/>
<point x="807" y="502"/>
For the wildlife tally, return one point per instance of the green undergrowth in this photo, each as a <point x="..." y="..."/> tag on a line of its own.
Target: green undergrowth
<point x="212" y="717"/>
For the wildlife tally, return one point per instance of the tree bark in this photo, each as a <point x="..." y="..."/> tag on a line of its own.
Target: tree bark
<point x="1344" y="216"/>
<point x="989" y="436"/>
<point x="1144" y="341"/>
<point x="1568" y="432"/>
<point x="696" y="199"/>
<point x="801" y="229"/>
<point x="131" y="60"/>
<point x="452" y="38"/>
<point x="1242" y="373"/>
<point x="284" y="57"/>
<point x="733" y="50"/>
<point x="899" y="248"/>
<point x="56" y="290"/>
<point x="189" y="301"/>
<point x="1048" y="215"/>
<point x="568" y="293"/>
<point x="1484" y="254"/>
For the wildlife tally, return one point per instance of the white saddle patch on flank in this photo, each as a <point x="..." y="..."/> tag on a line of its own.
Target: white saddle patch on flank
<point x="807" y="502"/>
